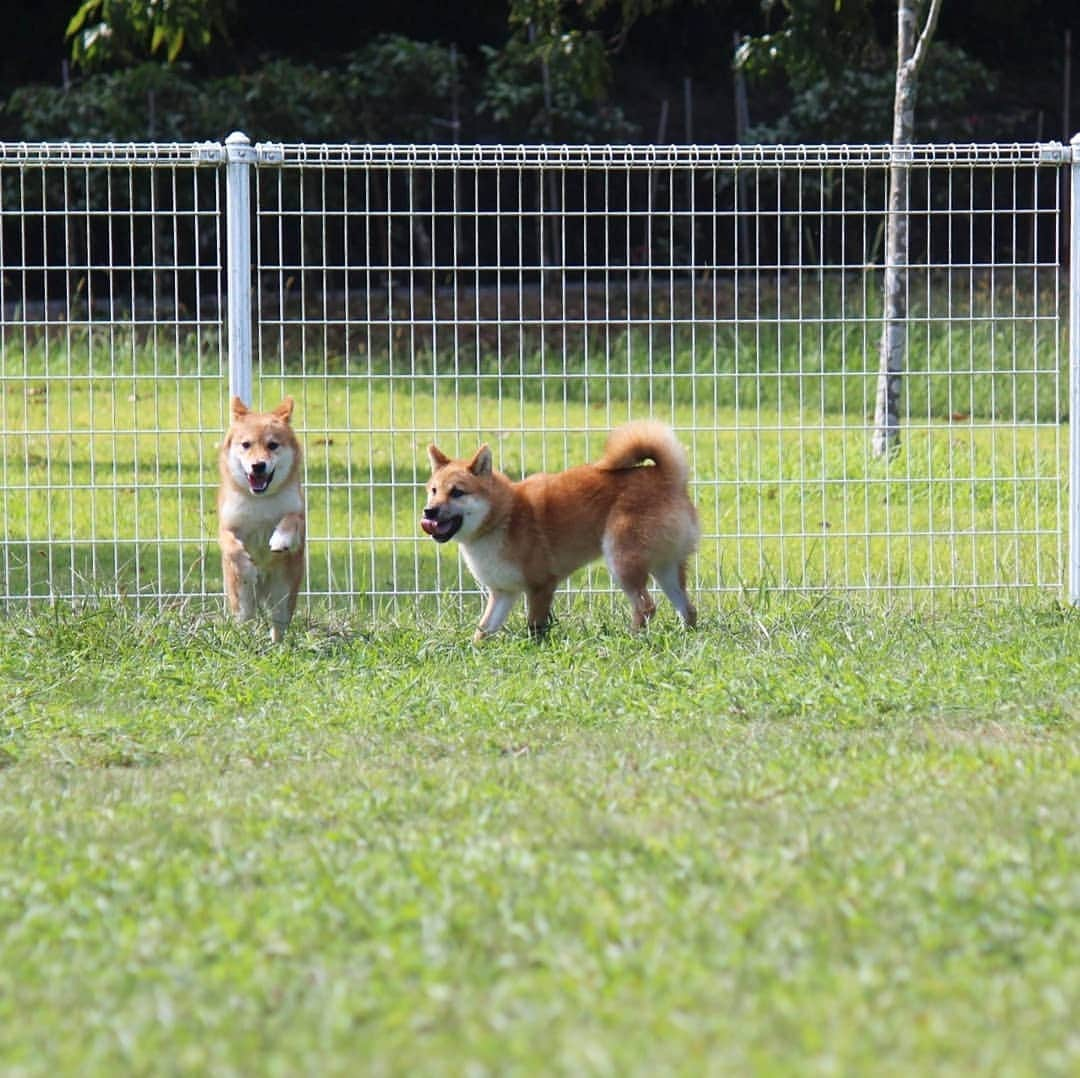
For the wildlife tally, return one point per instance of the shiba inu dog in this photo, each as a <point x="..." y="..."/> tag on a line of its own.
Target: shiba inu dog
<point x="531" y="535"/>
<point x="261" y="514"/>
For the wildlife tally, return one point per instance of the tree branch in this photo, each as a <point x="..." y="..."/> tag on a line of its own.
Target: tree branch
<point x="919" y="55"/>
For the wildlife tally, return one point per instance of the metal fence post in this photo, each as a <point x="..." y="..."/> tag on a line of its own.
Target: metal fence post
<point x="1074" y="374"/>
<point x="239" y="155"/>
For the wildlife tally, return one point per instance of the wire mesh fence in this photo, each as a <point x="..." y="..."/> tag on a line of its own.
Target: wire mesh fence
<point x="110" y="368"/>
<point x="533" y="298"/>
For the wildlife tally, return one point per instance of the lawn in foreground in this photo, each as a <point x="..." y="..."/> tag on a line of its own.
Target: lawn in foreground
<point x="807" y="838"/>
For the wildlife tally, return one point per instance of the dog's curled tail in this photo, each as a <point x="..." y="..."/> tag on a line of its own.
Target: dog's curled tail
<point x="647" y="439"/>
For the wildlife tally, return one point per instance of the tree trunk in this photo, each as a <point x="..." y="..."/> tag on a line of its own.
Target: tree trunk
<point x="910" y="55"/>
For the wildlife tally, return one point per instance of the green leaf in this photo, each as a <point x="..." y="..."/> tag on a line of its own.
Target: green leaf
<point x="176" y="45"/>
<point x="78" y="20"/>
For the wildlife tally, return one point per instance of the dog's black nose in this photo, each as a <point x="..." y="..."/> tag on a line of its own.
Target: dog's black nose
<point x="431" y="512"/>
<point x="258" y="467"/>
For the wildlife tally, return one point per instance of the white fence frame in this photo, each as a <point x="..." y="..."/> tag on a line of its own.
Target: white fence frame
<point x="534" y="296"/>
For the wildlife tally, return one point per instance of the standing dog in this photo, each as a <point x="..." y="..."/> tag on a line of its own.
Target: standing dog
<point x="531" y="535"/>
<point x="261" y="514"/>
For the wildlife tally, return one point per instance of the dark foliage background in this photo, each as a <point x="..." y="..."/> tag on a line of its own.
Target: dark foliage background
<point x="325" y="70"/>
<point x="424" y="72"/>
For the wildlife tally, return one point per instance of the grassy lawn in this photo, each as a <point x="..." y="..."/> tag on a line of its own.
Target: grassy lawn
<point x="820" y="835"/>
<point x="808" y="838"/>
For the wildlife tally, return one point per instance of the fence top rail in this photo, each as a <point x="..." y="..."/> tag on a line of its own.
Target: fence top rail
<point x="652" y="156"/>
<point x="636" y="156"/>
<point x="109" y="154"/>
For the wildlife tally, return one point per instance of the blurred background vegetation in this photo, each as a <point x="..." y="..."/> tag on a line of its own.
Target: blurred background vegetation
<point x="668" y="71"/>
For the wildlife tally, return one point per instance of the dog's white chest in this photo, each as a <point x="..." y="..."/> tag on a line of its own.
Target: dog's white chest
<point x="487" y="561"/>
<point x="254" y="519"/>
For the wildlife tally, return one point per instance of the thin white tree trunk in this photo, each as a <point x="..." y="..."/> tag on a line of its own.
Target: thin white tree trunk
<point x="910" y="54"/>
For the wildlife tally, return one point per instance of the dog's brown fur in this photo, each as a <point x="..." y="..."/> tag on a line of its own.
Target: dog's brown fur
<point x="261" y="520"/>
<point x="531" y="535"/>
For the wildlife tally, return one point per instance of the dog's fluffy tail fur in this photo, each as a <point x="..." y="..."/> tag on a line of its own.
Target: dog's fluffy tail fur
<point x="647" y="439"/>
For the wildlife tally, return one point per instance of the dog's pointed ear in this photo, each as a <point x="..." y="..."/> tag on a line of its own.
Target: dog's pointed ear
<point x="481" y="462"/>
<point x="284" y="409"/>
<point x="437" y="457"/>
<point x="239" y="408"/>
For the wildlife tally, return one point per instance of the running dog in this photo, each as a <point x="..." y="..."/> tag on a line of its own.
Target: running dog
<point x="261" y="514"/>
<point x="631" y="506"/>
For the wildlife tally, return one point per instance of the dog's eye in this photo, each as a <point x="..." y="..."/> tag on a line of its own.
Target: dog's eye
<point x="245" y="445"/>
<point x="271" y="446"/>
<point x="457" y="492"/>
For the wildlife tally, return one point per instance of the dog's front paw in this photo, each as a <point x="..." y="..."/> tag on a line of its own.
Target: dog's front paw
<point x="285" y="540"/>
<point x="284" y="543"/>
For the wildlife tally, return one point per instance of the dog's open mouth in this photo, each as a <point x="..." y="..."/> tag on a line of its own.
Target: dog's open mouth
<point x="259" y="481"/>
<point x="441" y="530"/>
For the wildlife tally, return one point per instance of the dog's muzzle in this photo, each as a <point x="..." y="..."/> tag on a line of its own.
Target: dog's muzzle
<point x="440" y="530"/>
<point x="259" y="477"/>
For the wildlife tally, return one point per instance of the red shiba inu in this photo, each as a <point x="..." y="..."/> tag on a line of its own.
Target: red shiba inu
<point x="531" y="535"/>
<point x="261" y="514"/>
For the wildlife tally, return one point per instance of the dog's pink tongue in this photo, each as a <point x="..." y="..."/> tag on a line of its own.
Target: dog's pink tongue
<point x="430" y="526"/>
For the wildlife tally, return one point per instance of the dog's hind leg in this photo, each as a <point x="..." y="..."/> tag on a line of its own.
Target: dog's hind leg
<point x="633" y="577"/>
<point x="281" y="613"/>
<point x="278" y="596"/>
<point x="498" y="610"/>
<point x="672" y="578"/>
<point x="538" y="603"/>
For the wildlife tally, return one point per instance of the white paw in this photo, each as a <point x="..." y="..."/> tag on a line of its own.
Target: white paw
<point x="284" y="541"/>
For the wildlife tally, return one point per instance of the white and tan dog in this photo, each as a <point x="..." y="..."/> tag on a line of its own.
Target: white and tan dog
<point x="261" y="514"/>
<point x="531" y="535"/>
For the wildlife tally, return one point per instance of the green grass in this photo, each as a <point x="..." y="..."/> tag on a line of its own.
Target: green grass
<point x="815" y="836"/>
<point x="808" y="838"/>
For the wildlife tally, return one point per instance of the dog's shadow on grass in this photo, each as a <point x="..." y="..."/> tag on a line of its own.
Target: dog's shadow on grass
<point x="331" y="634"/>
